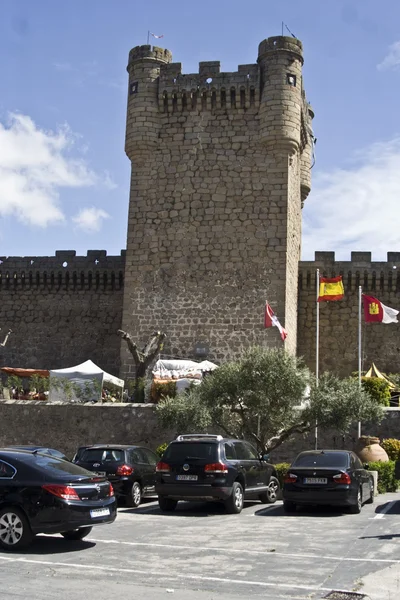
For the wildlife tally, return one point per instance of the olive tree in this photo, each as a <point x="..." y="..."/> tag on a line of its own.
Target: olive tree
<point x="267" y="396"/>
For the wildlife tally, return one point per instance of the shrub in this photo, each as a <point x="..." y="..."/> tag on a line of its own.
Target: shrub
<point x="162" y="390"/>
<point x="281" y="470"/>
<point x="162" y="448"/>
<point x="392" y="447"/>
<point x="377" y="388"/>
<point x="387" y="481"/>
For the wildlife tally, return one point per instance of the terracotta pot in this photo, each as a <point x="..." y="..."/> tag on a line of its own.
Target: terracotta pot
<point x="368" y="449"/>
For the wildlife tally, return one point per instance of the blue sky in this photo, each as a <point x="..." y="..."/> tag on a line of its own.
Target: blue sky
<point x="64" y="177"/>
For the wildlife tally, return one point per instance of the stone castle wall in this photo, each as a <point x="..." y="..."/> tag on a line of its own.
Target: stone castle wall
<point x="219" y="160"/>
<point x="339" y="320"/>
<point x="62" y="309"/>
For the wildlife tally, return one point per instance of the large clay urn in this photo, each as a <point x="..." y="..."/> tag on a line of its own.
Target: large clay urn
<point x="368" y="449"/>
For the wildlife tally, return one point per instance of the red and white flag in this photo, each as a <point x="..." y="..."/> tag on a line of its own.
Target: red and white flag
<point x="376" y="312"/>
<point x="270" y="320"/>
<point x="158" y="37"/>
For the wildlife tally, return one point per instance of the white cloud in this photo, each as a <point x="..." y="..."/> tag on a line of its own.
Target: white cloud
<point x="91" y="219"/>
<point x="392" y="59"/>
<point x="34" y="165"/>
<point x="357" y="208"/>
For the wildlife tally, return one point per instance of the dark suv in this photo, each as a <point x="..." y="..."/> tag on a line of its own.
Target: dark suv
<point x="130" y="469"/>
<point x="210" y="467"/>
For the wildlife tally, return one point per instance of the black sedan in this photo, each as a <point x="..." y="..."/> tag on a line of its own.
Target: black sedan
<point x="131" y="469"/>
<point x="42" y="449"/>
<point x="330" y="477"/>
<point x="44" y="494"/>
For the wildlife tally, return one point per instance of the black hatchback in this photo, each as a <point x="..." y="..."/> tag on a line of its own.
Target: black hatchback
<point x="330" y="477"/>
<point x="210" y="467"/>
<point x="44" y="494"/>
<point x="130" y="469"/>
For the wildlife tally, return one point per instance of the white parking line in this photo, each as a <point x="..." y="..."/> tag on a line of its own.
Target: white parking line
<point x="243" y="551"/>
<point x="382" y="514"/>
<point x="164" y="576"/>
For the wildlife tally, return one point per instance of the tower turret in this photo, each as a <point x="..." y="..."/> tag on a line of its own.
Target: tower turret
<point x="143" y="116"/>
<point x="281" y="60"/>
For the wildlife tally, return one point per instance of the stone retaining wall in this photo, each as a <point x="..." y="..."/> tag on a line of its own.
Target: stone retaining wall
<point x="67" y="426"/>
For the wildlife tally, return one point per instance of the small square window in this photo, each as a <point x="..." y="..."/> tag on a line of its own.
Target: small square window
<point x="133" y="89"/>
<point x="291" y="79"/>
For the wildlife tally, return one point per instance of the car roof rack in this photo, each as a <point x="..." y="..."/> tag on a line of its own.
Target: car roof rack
<point x="199" y="436"/>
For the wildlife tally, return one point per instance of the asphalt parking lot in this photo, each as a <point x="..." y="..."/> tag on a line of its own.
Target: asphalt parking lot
<point x="201" y="553"/>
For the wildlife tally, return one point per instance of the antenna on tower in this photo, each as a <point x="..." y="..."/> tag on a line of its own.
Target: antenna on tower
<point x="291" y="32"/>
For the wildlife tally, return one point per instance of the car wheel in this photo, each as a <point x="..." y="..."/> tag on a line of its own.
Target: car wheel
<point x="135" y="497"/>
<point x="289" y="506"/>
<point x="234" y="504"/>
<point x="356" y="508"/>
<point x="271" y="495"/>
<point x="76" y="534"/>
<point x="371" y="494"/>
<point x="15" y="531"/>
<point x="167" y="504"/>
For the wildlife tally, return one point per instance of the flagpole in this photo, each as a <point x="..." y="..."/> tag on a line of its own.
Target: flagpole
<point x="148" y="37"/>
<point x="317" y="358"/>
<point x="359" y="346"/>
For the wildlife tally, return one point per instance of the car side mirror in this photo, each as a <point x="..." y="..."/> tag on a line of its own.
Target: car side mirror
<point x="366" y="466"/>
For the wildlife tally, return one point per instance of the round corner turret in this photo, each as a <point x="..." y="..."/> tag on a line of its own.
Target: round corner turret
<point x="143" y="114"/>
<point x="281" y="59"/>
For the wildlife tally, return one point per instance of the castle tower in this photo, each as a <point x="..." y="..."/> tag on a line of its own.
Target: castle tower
<point x="220" y="168"/>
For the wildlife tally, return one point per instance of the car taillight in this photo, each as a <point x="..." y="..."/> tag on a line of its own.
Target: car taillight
<point x="342" y="478"/>
<point x="124" y="470"/>
<point x="162" y="467"/>
<point x="216" y="468"/>
<point x="62" y="491"/>
<point x="290" y="478"/>
<point x="111" y="491"/>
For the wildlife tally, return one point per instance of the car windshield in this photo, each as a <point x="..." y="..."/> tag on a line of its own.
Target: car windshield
<point x="102" y="455"/>
<point x="191" y="451"/>
<point x="331" y="459"/>
<point x="57" y="467"/>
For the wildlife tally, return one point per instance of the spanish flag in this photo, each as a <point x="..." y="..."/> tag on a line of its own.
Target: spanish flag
<point x="330" y="289"/>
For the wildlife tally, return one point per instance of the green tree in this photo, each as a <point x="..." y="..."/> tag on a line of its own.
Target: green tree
<point x="378" y="388"/>
<point x="267" y="396"/>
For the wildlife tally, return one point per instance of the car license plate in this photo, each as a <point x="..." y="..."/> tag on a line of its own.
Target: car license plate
<point x="99" y="512"/>
<point x="315" y="480"/>
<point x="101" y="473"/>
<point x="187" y="477"/>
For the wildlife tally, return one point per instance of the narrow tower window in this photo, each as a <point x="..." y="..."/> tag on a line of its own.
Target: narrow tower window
<point x="223" y="98"/>
<point x="184" y="101"/>
<point x="233" y="98"/>
<point x="242" y="98"/>
<point x="252" y="96"/>
<point x="174" y="102"/>
<point x="213" y="99"/>
<point x="291" y="79"/>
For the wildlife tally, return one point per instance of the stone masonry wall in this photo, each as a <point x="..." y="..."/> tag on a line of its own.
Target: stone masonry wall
<point x="62" y="310"/>
<point x="68" y="426"/>
<point x="210" y="237"/>
<point x="339" y="320"/>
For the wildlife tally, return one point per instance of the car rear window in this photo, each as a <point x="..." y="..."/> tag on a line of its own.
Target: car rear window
<point x="57" y="467"/>
<point x="191" y="450"/>
<point x="331" y="459"/>
<point x="102" y="455"/>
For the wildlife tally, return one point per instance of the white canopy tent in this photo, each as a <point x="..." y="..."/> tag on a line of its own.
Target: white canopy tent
<point x="82" y="376"/>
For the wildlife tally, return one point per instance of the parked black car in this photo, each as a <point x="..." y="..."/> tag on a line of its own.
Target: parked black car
<point x="210" y="467"/>
<point x="44" y="494"/>
<point x="130" y="469"/>
<point x="42" y="449"/>
<point x="332" y="477"/>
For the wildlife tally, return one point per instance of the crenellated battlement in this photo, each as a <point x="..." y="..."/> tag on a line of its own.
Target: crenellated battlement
<point x="149" y="52"/>
<point x="359" y="270"/>
<point x="209" y="88"/>
<point x="65" y="270"/>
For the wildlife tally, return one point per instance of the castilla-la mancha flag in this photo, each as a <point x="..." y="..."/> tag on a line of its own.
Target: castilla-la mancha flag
<point x="376" y="312"/>
<point x="330" y="289"/>
<point x="270" y="320"/>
